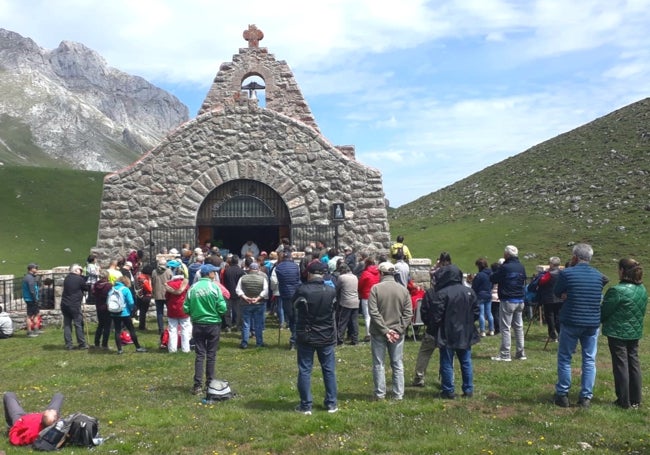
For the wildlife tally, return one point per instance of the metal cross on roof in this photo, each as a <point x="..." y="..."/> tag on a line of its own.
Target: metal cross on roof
<point x="253" y="35"/>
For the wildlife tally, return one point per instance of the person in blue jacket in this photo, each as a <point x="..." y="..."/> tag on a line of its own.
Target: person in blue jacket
<point x="123" y="319"/>
<point x="581" y="288"/>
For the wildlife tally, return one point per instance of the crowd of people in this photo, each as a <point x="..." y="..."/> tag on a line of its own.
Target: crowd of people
<point x="320" y="295"/>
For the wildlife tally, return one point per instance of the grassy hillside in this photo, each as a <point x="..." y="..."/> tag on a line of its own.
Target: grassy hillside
<point x="49" y="216"/>
<point x="587" y="185"/>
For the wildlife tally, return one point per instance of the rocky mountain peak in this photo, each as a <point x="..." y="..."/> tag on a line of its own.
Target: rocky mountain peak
<point x="67" y="107"/>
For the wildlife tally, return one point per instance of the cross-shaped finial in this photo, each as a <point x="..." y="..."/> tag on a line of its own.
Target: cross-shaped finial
<point x="253" y="35"/>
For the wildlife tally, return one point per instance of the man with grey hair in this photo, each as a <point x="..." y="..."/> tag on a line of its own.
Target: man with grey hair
<point x="510" y="278"/>
<point x="390" y="309"/>
<point x="74" y="286"/>
<point x="581" y="288"/>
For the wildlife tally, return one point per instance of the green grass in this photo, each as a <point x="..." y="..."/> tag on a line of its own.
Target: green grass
<point x="144" y="405"/>
<point x="49" y="216"/>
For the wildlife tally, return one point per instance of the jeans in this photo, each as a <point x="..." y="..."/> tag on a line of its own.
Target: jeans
<point x="252" y="316"/>
<point x="160" y="309"/>
<point x="327" y="362"/>
<point x="511" y="314"/>
<point x="425" y="352"/>
<point x="627" y="371"/>
<point x="485" y="309"/>
<point x="378" y="346"/>
<point x="447" y="369"/>
<point x="569" y="337"/>
<point x="366" y="315"/>
<point x="186" y="333"/>
<point x="70" y="316"/>
<point x="290" y="318"/>
<point x="206" y="340"/>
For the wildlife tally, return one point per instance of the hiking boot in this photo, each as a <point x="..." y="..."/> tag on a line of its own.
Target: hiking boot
<point x="332" y="409"/>
<point x="140" y="350"/>
<point x="561" y="401"/>
<point x="417" y="382"/>
<point x="304" y="411"/>
<point x="120" y="352"/>
<point x="197" y="390"/>
<point x="468" y="394"/>
<point x="584" y="402"/>
<point x="482" y="334"/>
<point x="521" y="356"/>
<point x="491" y="333"/>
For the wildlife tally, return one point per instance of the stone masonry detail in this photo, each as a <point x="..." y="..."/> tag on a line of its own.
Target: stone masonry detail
<point x="233" y="138"/>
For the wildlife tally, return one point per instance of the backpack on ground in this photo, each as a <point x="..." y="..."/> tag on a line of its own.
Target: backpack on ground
<point x="218" y="390"/>
<point x="76" y="429"/>
<point x="115" y="301"/>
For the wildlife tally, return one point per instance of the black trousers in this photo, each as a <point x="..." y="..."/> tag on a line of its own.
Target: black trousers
<point x="552" y="317"/>
<point x="627" y="371"/>
<point x="347" y="318"/>
<point x="103" y="332"/>
<point x="128" y="324"/>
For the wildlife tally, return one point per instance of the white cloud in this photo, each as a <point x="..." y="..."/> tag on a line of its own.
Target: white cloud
<point x="431" y="90"/>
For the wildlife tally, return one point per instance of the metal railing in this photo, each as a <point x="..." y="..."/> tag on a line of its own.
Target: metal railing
<point x="50" y="287"/>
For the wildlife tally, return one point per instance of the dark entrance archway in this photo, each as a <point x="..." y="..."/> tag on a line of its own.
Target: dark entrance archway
<point x="242" y="210"/>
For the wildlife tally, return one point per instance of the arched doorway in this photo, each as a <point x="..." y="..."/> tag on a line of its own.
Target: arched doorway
<point x="242" y="210"/>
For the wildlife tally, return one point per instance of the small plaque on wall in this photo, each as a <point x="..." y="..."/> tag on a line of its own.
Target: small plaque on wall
<point x="338" y="211"/>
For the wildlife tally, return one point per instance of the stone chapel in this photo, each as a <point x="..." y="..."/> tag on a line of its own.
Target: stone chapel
<point x="240" y="171"/>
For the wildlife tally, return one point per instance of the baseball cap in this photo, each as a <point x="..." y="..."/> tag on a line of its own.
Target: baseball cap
<point x="32" y="265"/>
<point x="386" y="267"/>
<point x="316" y="267"/>
<point x="207" y="268"/>
<point x="254" y="266"/>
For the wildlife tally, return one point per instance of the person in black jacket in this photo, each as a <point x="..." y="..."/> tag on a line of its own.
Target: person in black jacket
<point x="315" y="305"/>
<point x="550" y="302"/>
<point x="455" y="309"/>
<point x="74" y="286"/>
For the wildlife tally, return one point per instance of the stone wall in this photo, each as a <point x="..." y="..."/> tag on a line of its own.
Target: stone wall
<point x="241" y="141"/>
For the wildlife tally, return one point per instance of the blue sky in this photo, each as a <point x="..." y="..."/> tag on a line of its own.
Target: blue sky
<point x="429" y="92"/>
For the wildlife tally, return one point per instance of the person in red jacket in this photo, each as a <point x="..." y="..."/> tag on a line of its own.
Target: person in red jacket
<point x="23" y="427"/>
<point x="177" y="320"/>
<point x="368" y="278"/>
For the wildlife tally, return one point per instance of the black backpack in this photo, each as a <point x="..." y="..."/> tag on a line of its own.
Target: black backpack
<point x="76" y="429"/>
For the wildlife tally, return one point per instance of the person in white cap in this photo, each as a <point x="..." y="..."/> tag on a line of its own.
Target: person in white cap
<point x="510" y="278"/>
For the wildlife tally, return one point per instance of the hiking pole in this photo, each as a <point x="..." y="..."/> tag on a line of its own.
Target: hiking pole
<point x="531" y="319"/>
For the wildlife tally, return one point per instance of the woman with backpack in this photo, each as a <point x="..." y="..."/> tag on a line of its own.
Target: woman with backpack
<point x="123" y="318"/>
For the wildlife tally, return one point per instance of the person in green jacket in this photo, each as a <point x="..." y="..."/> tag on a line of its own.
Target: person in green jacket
<point x="622" y="315"/>
<point x="206" y="306"/>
